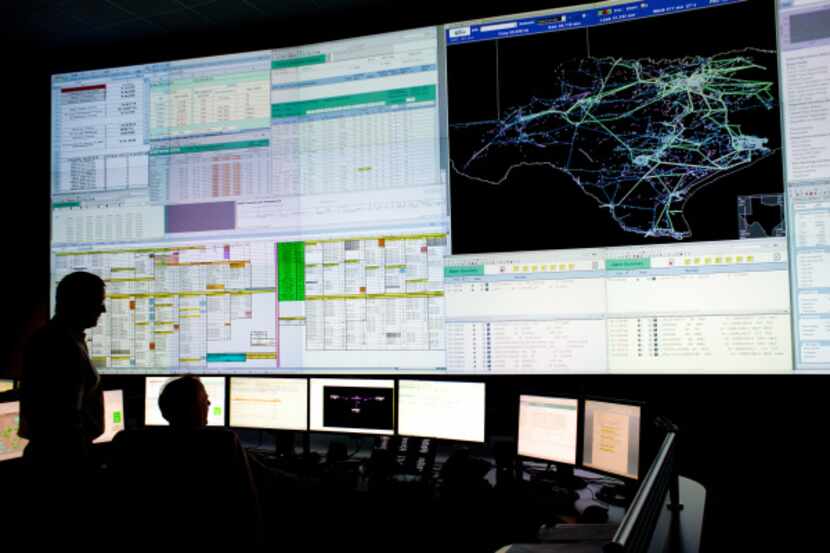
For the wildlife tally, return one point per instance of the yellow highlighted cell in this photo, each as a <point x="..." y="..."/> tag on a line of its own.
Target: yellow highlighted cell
<point x="261" y="355"/>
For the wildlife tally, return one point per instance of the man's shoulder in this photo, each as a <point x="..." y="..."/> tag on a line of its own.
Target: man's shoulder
<point x="52" y="333"/>
<point x="51" y="351"/>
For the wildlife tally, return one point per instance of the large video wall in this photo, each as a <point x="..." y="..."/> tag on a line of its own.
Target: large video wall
<point x="540" y="193"/>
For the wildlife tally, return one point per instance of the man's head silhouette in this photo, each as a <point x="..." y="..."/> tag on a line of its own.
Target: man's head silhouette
<point x="184" y="403"/>
<point x="79" y="300"/>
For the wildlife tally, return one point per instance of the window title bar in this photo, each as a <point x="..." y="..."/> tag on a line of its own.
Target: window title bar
<point x="560" y="20"/>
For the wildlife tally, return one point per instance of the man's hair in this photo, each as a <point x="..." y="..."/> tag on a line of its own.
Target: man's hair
<point x="78" y="290"/>
<point x="179" y="398"/>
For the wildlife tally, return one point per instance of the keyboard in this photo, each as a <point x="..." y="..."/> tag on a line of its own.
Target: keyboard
<point x="577" y="532"/>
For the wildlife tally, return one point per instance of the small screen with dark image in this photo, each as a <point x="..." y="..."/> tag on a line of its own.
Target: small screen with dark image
<point x="358" y="407"/>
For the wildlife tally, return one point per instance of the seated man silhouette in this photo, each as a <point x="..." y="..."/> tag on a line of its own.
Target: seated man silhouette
<point x="185" y="481"/>
<point x="184" y="403"/>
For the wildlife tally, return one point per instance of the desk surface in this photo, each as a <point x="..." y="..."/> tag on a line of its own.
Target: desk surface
<point x="686" y="540"/>
<point x="691" y="517"/>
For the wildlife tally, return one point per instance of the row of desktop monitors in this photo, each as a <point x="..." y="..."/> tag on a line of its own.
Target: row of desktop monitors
<point x="550" y="428"/>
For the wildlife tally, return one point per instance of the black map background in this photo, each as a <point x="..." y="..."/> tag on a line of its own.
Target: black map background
<point x="541" y="208"/>
<point x="373" y="414"/>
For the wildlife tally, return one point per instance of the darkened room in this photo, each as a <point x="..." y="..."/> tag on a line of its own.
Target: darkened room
<point x="579" y="151"/>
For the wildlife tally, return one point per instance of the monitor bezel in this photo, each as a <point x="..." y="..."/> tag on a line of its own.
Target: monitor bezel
<point x="579" y="430"/>
<point x="19" y="457"/>
<point x="641" y="470"/>
<point x="200" y="377"/>
<point x="346" y="432"/>
<point x="123" y="414"/>
<point x="440" y="438"/>
<point x="230" y="379"/>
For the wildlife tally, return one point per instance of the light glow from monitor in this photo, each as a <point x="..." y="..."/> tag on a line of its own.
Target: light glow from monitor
<point x="352" y="406"/>
<point x="214" y="385"/>
<point x="113" y="415"/>
<point x="548" y="428"/>
<point x="612" y="438"/>
<point x="275" y="403"/>
<point x="443" y="410"/>
<point x="11" y="445"/>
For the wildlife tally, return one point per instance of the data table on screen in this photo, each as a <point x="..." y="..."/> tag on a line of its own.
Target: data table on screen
<point x="612" y="438"/>
<point x="440" y="409"/>
<point x="548" y="428"/>
<point x="275" y="403"/>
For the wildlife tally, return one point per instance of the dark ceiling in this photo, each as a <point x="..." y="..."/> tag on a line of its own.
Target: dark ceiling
<point x="151" y="30"/>
<point x="74" y="22"/>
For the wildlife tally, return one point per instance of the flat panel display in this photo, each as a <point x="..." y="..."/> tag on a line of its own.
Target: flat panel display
<point x="548" y="428"/>
<point x="11" y="445"/>
<point x="359" y="406"/>
<point x="214" y="385"/>
<point x="275" y="403"/>
<point x="612" y="438"/>
<point x="441" y="409"/>
<point x="113" y="415"/>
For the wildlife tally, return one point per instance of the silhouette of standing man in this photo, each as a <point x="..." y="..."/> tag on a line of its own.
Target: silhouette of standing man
<point x="61" y="402"/>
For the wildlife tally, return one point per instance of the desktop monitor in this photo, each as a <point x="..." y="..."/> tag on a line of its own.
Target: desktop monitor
<point x="11" y="445"/>
<point x="357" y="406"/>
<point x="6" y="385"/>
<point x="548" y="428"/>
<point x="214" y="385"/>
<point x="273" y="403"/>
<point x="113" y="415"/>
<point x="612" y="432"/>
<point x="443" y="410"/>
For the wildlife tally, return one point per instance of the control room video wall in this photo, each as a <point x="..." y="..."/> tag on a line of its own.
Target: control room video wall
<point x="541" y="193"/>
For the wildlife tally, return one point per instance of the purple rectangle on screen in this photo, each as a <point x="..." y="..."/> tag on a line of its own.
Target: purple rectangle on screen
<point x="198" y="217"/>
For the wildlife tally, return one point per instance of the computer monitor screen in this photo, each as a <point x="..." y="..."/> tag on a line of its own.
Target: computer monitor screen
<point x="214" y="385"/>
<point x="443" y="410"/>
<point x="11" y="445"/>
<point x="113" y="415"/>
<point x="617" y="139"/>
<point x="548" y="428"/>
<point x="804" y="55"/>
<point x="352" y="406"/>
<point x="260" y="212"/>
<point x="639" y="229"/>
<point x="6" y="385"/>
<point x="641" y="180"/>
<point x="276" y="403"/>
<point x="612" y="438"/>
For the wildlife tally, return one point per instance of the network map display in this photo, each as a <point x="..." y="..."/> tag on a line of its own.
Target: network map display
<point x="604" y="139"/>
<point x="541" y="193"/>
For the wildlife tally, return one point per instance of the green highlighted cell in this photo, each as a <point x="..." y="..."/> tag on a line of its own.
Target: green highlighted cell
<point x="226" y="357"/>
<point x="196" y="149"/>
<point x="298" y="62"/>
<point x="472" y="270"/>
<point x="627" y="264"/>
<point x="59" y="205"/>
<point x="390" y="97"/>
<point x="291" y="271"/>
